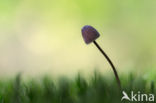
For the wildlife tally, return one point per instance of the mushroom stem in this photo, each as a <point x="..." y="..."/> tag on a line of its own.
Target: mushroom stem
<point x="110" y="62"/>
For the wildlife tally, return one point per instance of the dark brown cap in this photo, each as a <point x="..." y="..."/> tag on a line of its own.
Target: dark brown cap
<point x="89" y="34"/>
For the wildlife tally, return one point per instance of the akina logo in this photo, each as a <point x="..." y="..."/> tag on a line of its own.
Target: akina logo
<point x="140" y="97"/>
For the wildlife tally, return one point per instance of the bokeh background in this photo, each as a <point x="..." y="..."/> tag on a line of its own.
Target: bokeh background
<point x="44" y="37"/>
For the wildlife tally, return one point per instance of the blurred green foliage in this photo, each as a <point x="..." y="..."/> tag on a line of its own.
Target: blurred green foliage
<point x="97" y="89"/>
<point x="37" y="34"/>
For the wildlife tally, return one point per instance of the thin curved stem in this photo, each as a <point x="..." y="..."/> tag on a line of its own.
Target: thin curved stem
<point x="110" y="62"/>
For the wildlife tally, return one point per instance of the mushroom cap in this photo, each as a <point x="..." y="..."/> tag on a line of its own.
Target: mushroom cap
<point x="89" y="34"/>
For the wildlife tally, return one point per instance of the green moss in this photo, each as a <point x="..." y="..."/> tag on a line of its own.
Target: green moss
<point x="98" y="89"/>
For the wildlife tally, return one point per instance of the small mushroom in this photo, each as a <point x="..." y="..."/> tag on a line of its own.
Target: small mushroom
<point x="89" y="35"/>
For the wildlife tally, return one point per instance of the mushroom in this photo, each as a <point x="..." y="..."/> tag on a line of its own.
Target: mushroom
<point x="89" y="35"/>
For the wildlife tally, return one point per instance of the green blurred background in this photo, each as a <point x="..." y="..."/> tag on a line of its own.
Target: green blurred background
<point x="44" y="37"/>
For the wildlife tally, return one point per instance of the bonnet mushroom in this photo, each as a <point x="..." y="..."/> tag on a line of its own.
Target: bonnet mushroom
<point x="89" y="35"/>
